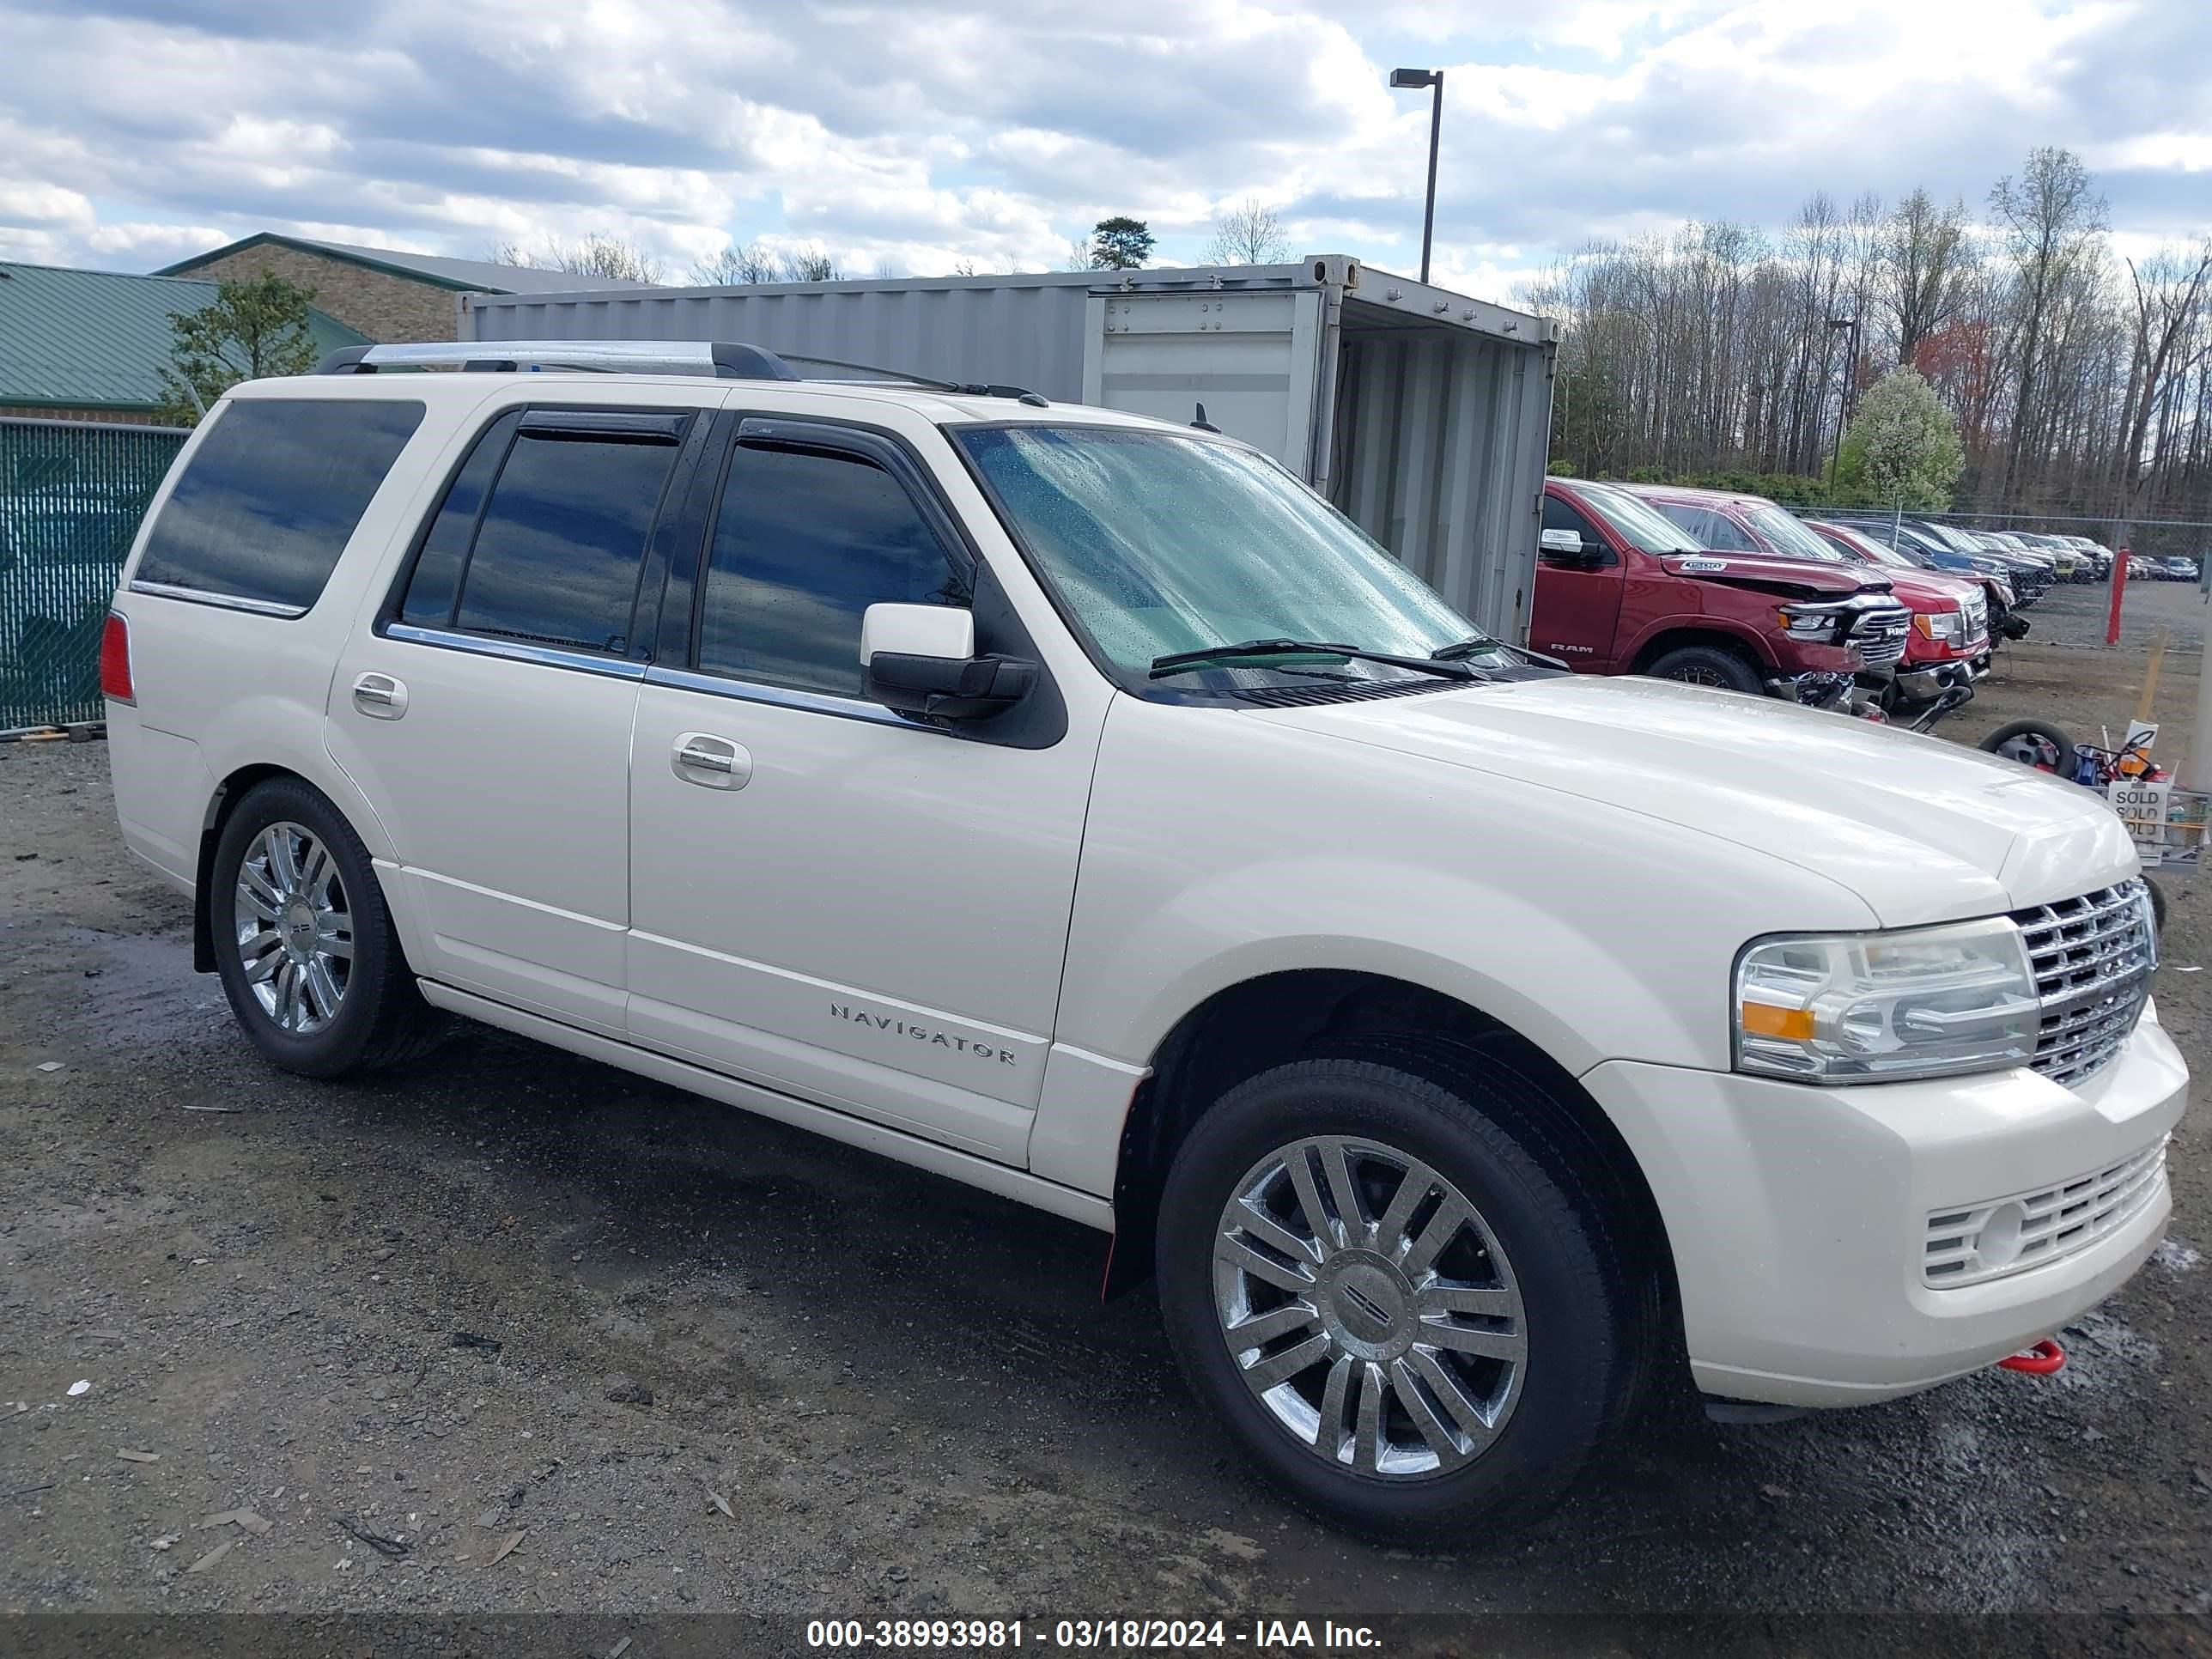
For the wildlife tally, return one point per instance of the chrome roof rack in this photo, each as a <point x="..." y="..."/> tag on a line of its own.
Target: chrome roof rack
<point x="724" y="359"/>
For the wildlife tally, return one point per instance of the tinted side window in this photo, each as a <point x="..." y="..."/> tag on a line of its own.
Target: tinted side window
<point x="436" y="577"/>
<point x="561" y="540"/>
<point x="804" y="542"/>
<point x="1562" y="514"/>
<point x="271" y="496"/>
<point x="1558" y="515"/>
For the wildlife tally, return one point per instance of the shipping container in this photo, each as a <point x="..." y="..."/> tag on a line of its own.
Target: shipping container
<point x="1422" y="413"/>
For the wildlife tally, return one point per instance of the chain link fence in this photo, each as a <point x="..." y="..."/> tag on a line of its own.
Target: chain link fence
<point x="71" y="495"/>
<point x="2155" y="538"/>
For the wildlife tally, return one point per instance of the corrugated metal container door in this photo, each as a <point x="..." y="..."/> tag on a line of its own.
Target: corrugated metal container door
<point x="1437" y="452"/>
<point x="1421" y="413"/>
<point x="1006" y="332"/>
<point x="1251" y="358"/>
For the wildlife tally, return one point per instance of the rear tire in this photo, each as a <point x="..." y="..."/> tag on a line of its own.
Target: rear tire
<point x="1707" y="665"/>
<point x="1428" y="1389"/>
<point x="303" y="941"/>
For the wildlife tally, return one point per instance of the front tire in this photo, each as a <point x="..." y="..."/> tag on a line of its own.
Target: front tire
<point x="1406" y="1322"/>
<point x="1707" y="665"/>
<point x="303" y="942"/>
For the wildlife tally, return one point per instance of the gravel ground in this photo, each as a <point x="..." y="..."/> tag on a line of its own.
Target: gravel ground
<point x="509" y="1332"/>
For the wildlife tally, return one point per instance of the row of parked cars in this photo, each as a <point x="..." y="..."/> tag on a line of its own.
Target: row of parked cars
<point x="1881" y="615"/>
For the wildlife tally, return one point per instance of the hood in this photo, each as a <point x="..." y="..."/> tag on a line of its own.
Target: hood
<point x="1796" y="579"/>
<point x="1921" y="830"/>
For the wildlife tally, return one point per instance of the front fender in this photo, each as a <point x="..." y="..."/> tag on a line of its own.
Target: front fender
<point x="1224" y="846"/>
<point x="1523" y="965"/>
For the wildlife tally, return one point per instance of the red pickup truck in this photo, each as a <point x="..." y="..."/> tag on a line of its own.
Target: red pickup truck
<point x="1621" y="589"/>
<point x="1949" y="642"/>
<point x="1954" y="627"/>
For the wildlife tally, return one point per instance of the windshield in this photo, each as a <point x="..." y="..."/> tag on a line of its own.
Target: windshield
<point x="1789" y="537"/>
<point x="1642" y="527"/>
<point x="1158" y="544"/>
<point x="1864" y="542"/>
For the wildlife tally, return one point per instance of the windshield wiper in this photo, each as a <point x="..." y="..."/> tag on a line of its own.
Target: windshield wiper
<point x="1460" y="650"/>
<point x="1178" y="662"/>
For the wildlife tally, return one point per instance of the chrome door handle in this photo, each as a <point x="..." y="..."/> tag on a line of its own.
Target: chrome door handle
<point x="380" y="696"/>
<point x="714" y="762"/>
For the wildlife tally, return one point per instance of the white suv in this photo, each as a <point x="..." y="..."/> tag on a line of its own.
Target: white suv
<point x="1079" y="807"/>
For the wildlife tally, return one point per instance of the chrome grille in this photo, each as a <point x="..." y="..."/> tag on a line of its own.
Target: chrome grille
<point x="1881" y="636"/>
<point x="2011" y="1235"/>
<point x="2093" y="958"/>
<point x="1977" y="613"/>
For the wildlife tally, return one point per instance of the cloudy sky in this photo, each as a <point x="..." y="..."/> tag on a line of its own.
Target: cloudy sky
<point x="917" y="133"/>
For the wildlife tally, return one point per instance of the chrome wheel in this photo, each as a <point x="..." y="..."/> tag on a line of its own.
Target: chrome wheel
<point x="2030" y="748"/>
<point x="1367" y="1304"/>
<point x="1700" y="677"/>
<point x="295" y="928"/>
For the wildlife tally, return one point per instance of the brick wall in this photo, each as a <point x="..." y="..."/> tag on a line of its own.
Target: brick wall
<point x="381" y="306"/>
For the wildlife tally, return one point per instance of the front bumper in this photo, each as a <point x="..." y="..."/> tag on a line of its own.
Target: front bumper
<point x="1818" y="688"/>
<point x="1924" y="682"/>
<point x="1799" y="1216"/>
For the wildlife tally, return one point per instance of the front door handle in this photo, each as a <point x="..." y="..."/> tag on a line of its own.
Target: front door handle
<point x="714" y="762"/>
<point x="380" y="696"/>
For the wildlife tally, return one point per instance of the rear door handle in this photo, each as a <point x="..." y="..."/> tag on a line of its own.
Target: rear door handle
<point x="380" y="696"/>
<point x="712" y="763"/>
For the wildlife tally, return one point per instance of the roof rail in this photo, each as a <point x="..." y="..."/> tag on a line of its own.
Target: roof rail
<point x="725" y="359"/>
<point x="964" y="388"/>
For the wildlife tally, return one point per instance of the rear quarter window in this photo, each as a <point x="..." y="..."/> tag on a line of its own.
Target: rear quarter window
<point x="272" y="494"/>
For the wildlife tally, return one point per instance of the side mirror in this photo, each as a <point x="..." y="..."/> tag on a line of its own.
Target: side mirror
<point x="920" y="660"/>
<point x="1568" y="547"/>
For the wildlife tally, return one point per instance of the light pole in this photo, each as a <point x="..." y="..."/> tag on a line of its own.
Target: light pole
<point x="1407" y="80"/>
<point x="1843" y="397"/>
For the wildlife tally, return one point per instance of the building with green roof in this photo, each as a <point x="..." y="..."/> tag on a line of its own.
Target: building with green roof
<point x="90" y="345"/>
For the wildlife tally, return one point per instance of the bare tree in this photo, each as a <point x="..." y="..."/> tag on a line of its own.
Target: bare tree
<point x="2168" y="292"/>
<point x="1926" y="261"/>
<point x="2081" y="385"/>
<point x="1249" y="234"/>
<point x="811" y="265"/>
<point x="599" y="255"/>
<point x="738" y="265"/>
<point x="2050" y="218"/>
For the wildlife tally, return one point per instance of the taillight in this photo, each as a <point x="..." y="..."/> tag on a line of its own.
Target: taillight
<point x="115" y="661"/>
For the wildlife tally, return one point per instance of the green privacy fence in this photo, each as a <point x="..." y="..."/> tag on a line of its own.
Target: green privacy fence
<point x="72" y="493"/>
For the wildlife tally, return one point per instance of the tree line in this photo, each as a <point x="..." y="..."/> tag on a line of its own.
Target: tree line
<point x="2079" y="380"/>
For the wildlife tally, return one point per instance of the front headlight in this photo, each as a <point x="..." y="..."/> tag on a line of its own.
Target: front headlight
<point x="1936" y="624"/>
<point x="1808" y="621"/>
<point x="1875" y="1007"/>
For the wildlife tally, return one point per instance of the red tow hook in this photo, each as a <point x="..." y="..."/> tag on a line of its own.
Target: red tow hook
<point x="2043" y="1359"/>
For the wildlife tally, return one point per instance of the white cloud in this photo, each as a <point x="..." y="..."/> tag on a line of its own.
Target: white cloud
<point x="921" y="132"/>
